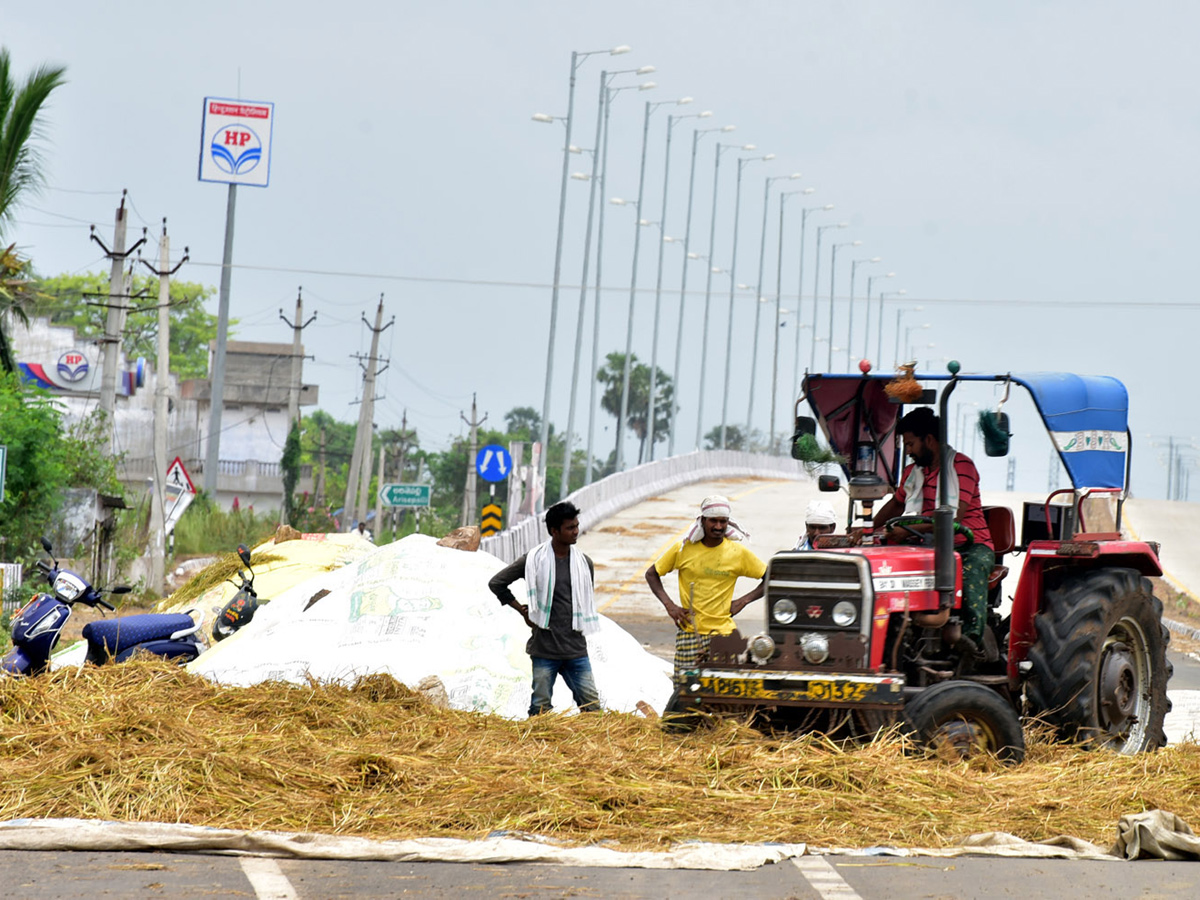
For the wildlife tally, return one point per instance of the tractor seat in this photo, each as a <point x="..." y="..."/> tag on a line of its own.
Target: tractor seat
<point x="1003" y="526"/>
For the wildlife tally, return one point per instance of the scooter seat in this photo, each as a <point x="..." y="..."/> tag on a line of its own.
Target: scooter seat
<point x="110" y="637"/>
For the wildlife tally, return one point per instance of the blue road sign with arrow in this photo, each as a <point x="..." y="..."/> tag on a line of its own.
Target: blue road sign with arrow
<point x="493" y="463"/>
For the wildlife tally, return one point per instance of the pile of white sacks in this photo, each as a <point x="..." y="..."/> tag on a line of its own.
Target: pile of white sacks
<point x="413" y="609"/>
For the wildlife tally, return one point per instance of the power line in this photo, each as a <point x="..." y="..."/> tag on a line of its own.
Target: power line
<point x="909" y="299"/>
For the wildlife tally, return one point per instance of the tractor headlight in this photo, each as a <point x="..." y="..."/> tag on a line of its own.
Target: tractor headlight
<point x="762" y="648"/>
<point x="784" y="611"/>
<point x="845" y="613"/>
<point x="815" y="647"/>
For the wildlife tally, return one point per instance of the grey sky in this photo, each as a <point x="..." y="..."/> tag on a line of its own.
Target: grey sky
<point x="1027" y="169"/>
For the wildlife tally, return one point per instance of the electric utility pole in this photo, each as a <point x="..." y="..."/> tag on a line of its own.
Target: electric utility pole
<point x="360" y="460"/>
<point x="162" y="406"/>
<point x="117" y="296"/>
<point x="468" y="510"/>
<point x="297" y="356"/>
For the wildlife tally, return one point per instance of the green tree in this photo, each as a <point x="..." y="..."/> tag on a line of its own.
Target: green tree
<point x="524" y="423"/>
<point x="79" y="301"/>
<point x="20" y="167"/>
<point x="612" y="376"/>
<point x="735" y="439"/>
<point x="339" y="446"/>
<point x="290" y="465"/>
<point x="37" y="471"/>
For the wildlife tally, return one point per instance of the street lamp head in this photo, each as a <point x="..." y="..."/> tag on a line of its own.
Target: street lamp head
<point x="890" y="275"/>
<point x="617" y="201"/>
<point x="695" y="256"/>
<point x="717" y="270"/>
<point x="856" y="243"/>
<point x="728" y="128"/>
<point x="646" y="222"/>
<point x="581" y="176"/>
<point x="768" y="157"/>
<point x="667" y="239"/>
<point x="841" y="224"/>
<point x="749" y="147"/>
<point x="683" y="101"/>
<point x="647" y="86"/>
<point x="794" y="176"/>
<point x="875" y="259"/>
<point x="542" y="117"/>
<point x="573" y="149"/>
<point x="645" y="70"/>
<point x="617" y="51"/>
<point x="827" y="207"/>
<point x="705" y="114"/>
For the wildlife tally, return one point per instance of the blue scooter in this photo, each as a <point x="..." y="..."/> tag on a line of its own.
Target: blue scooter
<point x="37" y="626"/>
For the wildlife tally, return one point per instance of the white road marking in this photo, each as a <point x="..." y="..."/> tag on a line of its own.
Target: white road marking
<point x="267" y="879"/>
<point x="824" y="879"/>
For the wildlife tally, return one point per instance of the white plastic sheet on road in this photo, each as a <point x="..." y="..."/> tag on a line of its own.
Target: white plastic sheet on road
<point x="413" y="609"/>
<point x="1154" y="834"/>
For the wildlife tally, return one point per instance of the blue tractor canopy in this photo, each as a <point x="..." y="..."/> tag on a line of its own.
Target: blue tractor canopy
<point x="1086" y="416"/>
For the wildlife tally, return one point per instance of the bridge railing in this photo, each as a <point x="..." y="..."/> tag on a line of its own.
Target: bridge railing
<point x="621" y="490"/>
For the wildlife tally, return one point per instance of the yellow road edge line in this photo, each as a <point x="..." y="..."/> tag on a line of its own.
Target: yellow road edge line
<point x="679" y="535"/>
<point x="1175" y="582"/>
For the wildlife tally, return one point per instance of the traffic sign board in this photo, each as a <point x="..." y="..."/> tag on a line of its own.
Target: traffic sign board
<point x="178" y="493"/>
<point x="493" y="463"/>
<point x="492" y="519"/>
<point x="405" y="496"/>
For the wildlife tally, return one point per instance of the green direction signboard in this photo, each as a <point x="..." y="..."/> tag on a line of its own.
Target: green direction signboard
<point x="405" y="496"/>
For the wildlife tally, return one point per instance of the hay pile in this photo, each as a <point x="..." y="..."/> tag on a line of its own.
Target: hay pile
<point x="146" y="741"/>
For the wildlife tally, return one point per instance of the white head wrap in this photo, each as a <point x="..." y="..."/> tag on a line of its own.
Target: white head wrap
<point x="820" y="512"/>
<point x="715" y="507"/>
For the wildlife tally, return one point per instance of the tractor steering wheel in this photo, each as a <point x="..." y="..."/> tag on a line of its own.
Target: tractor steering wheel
<point x="905" y="523"/>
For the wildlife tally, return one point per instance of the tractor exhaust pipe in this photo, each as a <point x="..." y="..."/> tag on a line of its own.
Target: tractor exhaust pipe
<point x="943" y="514"/>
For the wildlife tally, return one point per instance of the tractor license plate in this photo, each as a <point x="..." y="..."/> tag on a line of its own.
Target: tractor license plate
<point x="886" y="690"/>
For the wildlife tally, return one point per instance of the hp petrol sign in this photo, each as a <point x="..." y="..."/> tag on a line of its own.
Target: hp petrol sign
<point x="235" y="141"/>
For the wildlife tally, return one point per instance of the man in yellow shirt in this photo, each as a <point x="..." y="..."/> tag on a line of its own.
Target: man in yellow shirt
<point x="709" y="561"/>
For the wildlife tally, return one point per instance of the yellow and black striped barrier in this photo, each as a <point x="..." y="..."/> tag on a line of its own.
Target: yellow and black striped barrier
<point x="492" y="520"/>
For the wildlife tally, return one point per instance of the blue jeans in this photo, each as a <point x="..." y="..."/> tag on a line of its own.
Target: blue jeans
<point x="577" y="673"/>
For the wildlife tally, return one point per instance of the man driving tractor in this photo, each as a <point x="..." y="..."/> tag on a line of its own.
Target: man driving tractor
<point x="916" y="495"/>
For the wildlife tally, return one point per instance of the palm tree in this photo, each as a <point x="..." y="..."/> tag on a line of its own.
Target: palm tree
<point x="20" y="172"/>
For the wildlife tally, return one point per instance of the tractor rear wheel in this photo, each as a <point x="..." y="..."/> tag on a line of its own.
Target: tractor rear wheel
<point x="1100" y="668"/>
<point x="958" y="719"/>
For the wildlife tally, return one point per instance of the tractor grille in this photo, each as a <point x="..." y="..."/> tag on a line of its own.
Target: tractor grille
<point x="815" y="583"/>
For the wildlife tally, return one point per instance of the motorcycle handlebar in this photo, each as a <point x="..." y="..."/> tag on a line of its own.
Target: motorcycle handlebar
<point x="102" y="602"/>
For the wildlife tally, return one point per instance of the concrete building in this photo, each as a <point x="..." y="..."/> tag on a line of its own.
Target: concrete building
<point x="254" y="421"/>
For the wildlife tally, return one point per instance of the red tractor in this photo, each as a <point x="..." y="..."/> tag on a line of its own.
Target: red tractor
<point x="860" y="633"/>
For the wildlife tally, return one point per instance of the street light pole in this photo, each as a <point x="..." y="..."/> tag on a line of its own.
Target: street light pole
<point x="762" y="253"/>
<point x="637" y="236"/>
<point x="899" y="313"/>
<point x="737" y="209"/>
<point x="832" y="277"/>
<point x="867" y="334"/>
<point x="687" y="257"/>
<point x="800" y="298"/>
<point x="577" y="59"/>
<point x="783" y="196"/>
<point x="564" y="486"/>
<point x="821" y="229"/>
<point x="608" y="94"/>
<point x="854" y="264"/>
<point x="712" y="236"/>
<point x="672" y="121"/>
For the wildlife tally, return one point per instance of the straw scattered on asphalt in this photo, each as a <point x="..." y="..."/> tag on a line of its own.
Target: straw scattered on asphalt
<point x="146" y="741"/>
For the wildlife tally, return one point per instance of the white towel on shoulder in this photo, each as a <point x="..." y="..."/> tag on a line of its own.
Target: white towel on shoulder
<point x="914" y="489"/>
<point x="540" y="567"/>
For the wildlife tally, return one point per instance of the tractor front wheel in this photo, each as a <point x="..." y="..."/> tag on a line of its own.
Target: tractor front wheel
<point x="958" y="719"/>
<point x="1100" y="669"/>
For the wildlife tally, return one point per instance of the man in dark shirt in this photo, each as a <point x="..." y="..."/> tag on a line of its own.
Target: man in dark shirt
<point x="561" y="610"/>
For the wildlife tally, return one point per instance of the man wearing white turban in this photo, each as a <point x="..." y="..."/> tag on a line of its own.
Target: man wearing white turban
<point x="709" y="560"/>
<point x="819" y="519"/>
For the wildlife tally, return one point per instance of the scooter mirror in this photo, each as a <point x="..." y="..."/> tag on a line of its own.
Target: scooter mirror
<point x="120" y="589"/>
<point x="244" y="554"/>
<point x="46" y="545"/>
